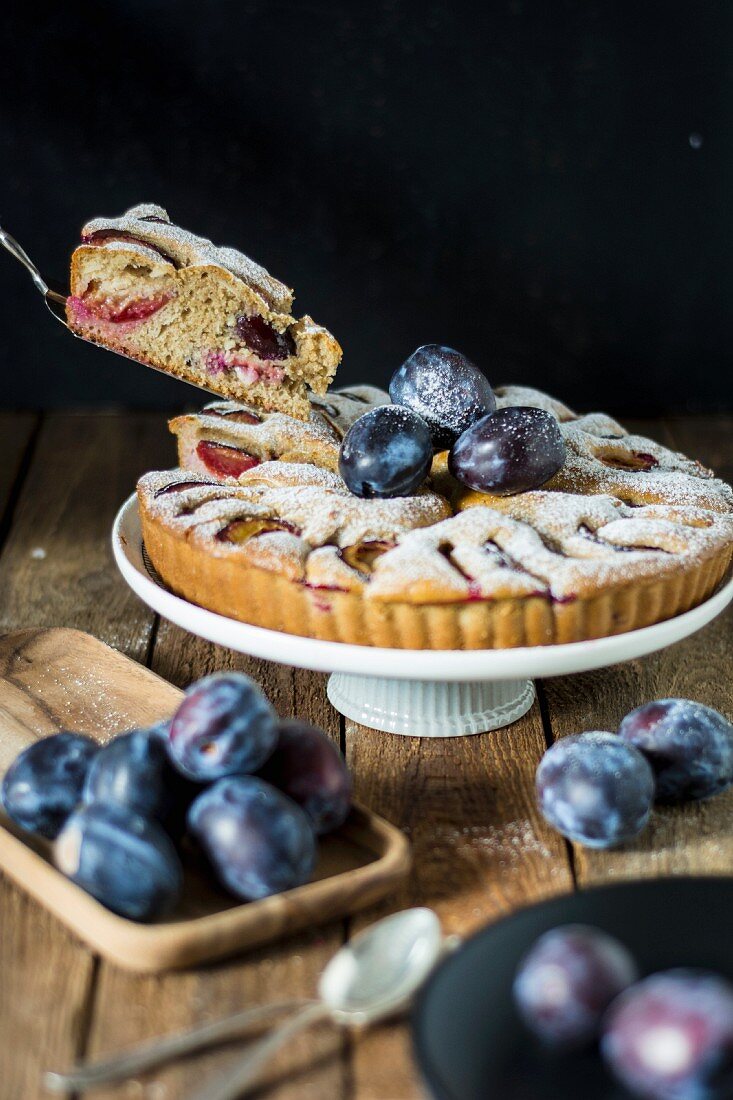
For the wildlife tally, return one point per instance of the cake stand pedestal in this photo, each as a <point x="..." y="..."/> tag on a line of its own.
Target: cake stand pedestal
<point x="430" y="708"/>
<point x="422" y="693"/>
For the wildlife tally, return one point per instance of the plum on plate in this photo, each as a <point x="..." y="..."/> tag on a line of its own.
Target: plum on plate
<point x="595" y="788"/>
<point x="124" y="860"/>
<point x="387" y="452"/>
<point x="44" y="783"/>
<point x="445" y="388"/>
<point x="513" y="450"/>
<point x="309" y="768"/>
<point x="134" y="770"/>
<point x="224" y="726"/>
<point x="258" y="840"/>
<point x="670" y="1037"/>
<point x="689" y="746"/>
<point x="567" y="980"/>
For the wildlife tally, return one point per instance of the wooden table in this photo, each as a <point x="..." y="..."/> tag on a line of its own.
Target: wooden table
<point x="480" y="849"/>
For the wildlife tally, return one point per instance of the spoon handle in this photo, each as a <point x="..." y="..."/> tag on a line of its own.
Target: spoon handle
<point x="155" y="1053"/>
<point x="236" y="1079"/>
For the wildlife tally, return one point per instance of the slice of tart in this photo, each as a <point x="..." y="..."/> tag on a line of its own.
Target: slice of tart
<point x="150" y="290"/>
<point x="227" y="439"/>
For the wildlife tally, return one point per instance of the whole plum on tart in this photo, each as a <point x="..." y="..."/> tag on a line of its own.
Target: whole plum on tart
<point x="509" y="451"/>
<point x="613" y="541"/>
<point x="157" y="293"/>
<point x="386" y="453"/>
<point x="445" y="388"/>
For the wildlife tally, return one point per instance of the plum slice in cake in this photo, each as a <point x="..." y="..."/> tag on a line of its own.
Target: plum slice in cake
<point x="208" y="315"/>
<point x="228" y="439"/>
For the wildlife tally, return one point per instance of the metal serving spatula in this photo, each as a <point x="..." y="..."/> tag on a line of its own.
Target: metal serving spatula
<point x="55" y="300"/>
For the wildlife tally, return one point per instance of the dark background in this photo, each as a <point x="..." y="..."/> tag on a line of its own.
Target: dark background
<point x="546" y="186"/>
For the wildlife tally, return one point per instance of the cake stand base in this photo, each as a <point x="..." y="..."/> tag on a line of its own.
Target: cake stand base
<point x="424" y="708"/>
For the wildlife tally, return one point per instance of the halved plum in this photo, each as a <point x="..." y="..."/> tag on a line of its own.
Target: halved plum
<point x="240" y="530"/>
<point x="240" y="416"/>
<point x="224" y="460"/>
<point x="116" y="311"/>
<point x="106" y="236"/>
<point x="262" y="339"/>
<point x="363" y="555"/>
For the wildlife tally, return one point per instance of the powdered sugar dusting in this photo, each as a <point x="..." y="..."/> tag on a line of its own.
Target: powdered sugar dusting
<point x="190" y="250"/>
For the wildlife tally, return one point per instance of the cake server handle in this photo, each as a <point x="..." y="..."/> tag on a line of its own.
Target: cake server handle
<point x="157" y="1051"/>
<point x="56" y="302"/>
<point x="55" y="299"/>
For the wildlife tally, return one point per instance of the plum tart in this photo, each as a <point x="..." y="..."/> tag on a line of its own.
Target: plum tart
<point x="153" y="291"/>
<point x="625" y="534"/>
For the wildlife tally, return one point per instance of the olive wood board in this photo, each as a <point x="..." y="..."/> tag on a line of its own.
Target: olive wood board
<point x="56" y="679"/>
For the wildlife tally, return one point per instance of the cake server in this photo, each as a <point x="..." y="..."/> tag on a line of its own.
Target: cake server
<point x="55" y="300"/>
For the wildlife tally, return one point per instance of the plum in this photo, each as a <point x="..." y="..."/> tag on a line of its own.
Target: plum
<point x="224" y="726"/>
<point x="309" y="768"/>
<point x="134" y="770"/>
<point x="124" y="860"/>
<point x="44" y="783"/>
<point x="670" y="1037"/>
<point x="567" y="980"/>
<point x="512" y="450"/>
<point x="595" y="788"/>
<point x="445" y="388"/>
<point x="689" y="746"/>
<point x="387" y="452"/>
<point x="258" y="840"/>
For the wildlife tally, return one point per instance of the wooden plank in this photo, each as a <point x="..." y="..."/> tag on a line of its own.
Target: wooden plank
<point x="56" y="569"/>
<point x="480" y="849"/>
<point x="693" y="839"/>
<point x="30" y="934"/>
<point x="16" y="433"/>
<point x="129" y="1008"/>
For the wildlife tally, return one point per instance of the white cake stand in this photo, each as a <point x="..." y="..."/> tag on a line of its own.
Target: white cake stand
<point x="424" y="693"/>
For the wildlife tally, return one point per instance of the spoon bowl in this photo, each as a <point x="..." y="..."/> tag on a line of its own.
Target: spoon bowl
<point x="378" y="971"/>
<point x="372" y="977"/>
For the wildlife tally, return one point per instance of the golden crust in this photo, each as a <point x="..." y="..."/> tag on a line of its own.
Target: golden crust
<point x="244" y="591"/>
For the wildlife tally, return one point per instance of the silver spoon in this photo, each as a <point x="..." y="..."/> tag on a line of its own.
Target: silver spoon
<point x="156" y="1052"/>
<point x="372" y="977"/>
<point x="56" y="303"/>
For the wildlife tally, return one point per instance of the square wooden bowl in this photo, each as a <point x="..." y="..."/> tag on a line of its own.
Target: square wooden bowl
<point x="64" y="679"/>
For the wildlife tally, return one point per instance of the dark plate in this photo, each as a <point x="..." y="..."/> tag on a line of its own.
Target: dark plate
<point x="469" y="1041"/>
